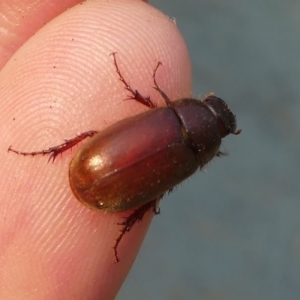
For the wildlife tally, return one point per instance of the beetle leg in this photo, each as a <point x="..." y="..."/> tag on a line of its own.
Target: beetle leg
<point x="59" y="149"/>
<point x="221" y="153"/>
<point x="156" y="87"/>
<point x="134" y="94"/>
<point x="136" y="216"/>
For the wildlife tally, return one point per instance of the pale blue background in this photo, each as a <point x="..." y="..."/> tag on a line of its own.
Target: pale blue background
<point x="234" y="231"/>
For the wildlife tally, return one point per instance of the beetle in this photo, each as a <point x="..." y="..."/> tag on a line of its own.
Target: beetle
<point x="131" y="164"/>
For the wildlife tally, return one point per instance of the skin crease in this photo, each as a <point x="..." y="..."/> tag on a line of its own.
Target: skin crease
<point x="58" y="80"/>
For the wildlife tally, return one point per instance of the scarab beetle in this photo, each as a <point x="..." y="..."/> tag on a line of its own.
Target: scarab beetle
<point x="132" y="163"/>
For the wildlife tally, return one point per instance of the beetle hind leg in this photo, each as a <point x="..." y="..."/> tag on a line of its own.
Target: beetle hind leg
<point x="136" y="216"/>
<point x="59" y="149"/>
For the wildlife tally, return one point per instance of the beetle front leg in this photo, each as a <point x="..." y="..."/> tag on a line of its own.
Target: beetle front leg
<point x="157" y="88"/>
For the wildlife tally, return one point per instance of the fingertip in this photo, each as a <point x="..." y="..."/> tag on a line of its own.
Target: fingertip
<point x="64" y="82"/>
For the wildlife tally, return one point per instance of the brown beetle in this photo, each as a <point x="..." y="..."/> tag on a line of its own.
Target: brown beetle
<point x="131" y="164"/>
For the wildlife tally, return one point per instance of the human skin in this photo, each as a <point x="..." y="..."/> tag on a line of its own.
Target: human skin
<point x="58" y="80"/>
